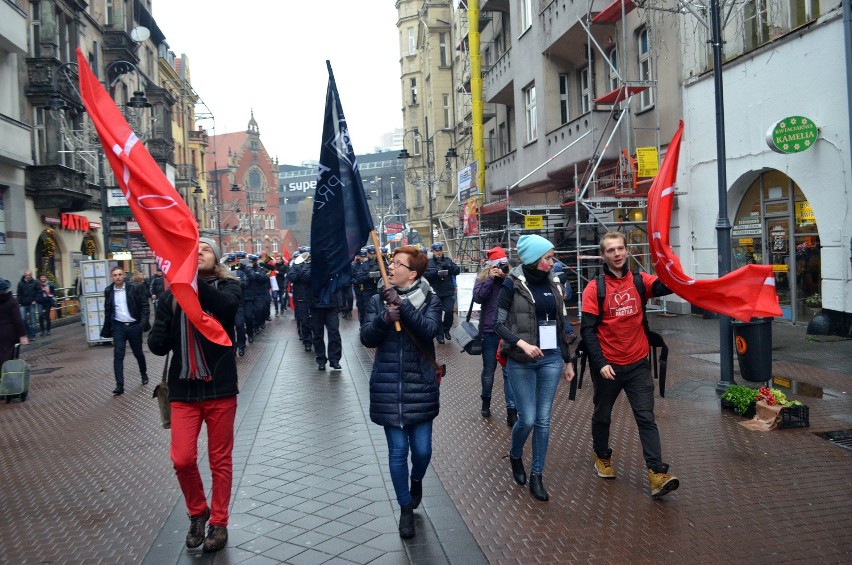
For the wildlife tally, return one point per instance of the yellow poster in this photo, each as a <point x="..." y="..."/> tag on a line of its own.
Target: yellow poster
<point x="533" y="222"/>
<point x="647" y="162"/>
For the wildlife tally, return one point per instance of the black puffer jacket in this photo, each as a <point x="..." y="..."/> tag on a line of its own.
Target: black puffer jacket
<point x="221" y="302"/>
<point x="403" y="384"/>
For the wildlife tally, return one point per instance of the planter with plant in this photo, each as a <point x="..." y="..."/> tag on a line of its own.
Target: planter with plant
<point x="814" y="301"/>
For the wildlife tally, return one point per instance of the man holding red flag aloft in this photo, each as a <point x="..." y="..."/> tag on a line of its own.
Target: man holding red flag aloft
<point x="618" y="355"/>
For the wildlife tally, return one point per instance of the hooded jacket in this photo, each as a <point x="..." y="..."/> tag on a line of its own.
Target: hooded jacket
<point x="403" y="383"/>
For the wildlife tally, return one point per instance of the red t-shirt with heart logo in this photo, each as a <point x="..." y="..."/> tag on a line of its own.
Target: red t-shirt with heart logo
<point x="620" y="330"/>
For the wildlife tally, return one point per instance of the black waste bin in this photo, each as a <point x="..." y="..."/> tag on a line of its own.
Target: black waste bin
<point x="753" y="340"/>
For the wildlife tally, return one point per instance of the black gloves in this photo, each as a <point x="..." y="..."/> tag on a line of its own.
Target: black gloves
<point x="391" y="297"/>
<point x="391" y="314"/>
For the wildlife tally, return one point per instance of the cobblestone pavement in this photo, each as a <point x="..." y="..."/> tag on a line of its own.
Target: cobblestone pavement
<point x="87" y="476"/>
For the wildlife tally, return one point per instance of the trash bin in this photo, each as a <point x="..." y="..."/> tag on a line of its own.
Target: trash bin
<point x="753" y="340"/>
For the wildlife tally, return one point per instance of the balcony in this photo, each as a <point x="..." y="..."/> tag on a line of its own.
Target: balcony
<point x="497" y="84"/>
<point x="199" y="137"/>
<point x="186" y="176"/>
<point x="57" y="186"/>
<point x="562" y="34"/>
<point x="494" y="6"/>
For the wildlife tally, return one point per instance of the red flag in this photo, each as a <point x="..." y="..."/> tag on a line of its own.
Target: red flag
<point x="166" y="222"/>
<point x="748" y="292"/>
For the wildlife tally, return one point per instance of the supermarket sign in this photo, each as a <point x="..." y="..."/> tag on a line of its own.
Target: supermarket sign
<point x="793" y="134"/>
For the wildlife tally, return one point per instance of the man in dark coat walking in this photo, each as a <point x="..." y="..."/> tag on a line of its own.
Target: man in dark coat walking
<point x="441" y="274"/>
<point x="126" y="313"/>
<point x="26" y="296"/>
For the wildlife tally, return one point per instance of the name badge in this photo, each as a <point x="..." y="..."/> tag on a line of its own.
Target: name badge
<point x="547" y="335"/>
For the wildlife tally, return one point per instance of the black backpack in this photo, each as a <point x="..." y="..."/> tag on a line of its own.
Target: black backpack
<point x="658" y="352"/>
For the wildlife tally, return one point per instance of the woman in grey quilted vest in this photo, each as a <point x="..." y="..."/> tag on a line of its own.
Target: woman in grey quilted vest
<point x="531" y="322"/>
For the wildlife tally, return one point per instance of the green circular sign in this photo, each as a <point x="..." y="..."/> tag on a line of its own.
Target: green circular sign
<point x="793" y="134"/>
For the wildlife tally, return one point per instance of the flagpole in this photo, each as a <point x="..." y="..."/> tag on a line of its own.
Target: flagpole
<point x="382" y="270"/>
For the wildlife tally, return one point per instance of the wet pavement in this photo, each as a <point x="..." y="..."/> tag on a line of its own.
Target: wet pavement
<point x="87" y="476"/>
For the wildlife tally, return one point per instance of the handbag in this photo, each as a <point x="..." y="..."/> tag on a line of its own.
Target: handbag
<point x="468" y="335"/>
<point x="161" y="393"/>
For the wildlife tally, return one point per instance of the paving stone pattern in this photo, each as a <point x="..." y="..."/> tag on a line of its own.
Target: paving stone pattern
<point x="87" y="476"/>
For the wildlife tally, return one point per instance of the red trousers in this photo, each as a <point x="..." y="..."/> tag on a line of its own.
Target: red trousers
<point x="187" y="418"/>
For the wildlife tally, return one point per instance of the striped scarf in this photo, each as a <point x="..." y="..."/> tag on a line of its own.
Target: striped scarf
<point x="193" y="364"/>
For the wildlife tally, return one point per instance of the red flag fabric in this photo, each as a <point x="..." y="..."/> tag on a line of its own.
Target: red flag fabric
<point x="748" y="292"/>
<point x="164" y="218"/>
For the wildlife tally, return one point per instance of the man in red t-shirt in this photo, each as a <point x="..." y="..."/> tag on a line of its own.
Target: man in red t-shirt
<point x="618" y="356"/>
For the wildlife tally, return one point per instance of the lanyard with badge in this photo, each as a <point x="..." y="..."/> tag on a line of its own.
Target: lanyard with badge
<point x="547" y="334"/>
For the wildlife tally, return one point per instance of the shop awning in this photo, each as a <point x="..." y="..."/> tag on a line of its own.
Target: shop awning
<point x="613" y="12"/>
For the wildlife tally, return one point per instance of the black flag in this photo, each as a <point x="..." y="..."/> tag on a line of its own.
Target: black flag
<point x="341" y="220"/>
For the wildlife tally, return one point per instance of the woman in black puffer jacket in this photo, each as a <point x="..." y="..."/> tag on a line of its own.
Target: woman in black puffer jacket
<point x="404" y="394"/>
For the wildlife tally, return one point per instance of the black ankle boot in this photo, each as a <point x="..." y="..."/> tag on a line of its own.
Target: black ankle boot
<point x="511" y="417"/>
<point x="518" y="472"/>
<point x="406" y="522"/>
<point x="486" y="407"/>
<point x="416" y="490"/>
<point x="537" y="488"/>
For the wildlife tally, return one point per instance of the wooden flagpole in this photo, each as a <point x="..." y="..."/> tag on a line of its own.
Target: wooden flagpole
<point x="382" y="269"/>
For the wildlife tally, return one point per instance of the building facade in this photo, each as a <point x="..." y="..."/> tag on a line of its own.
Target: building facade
<point x="244" y="213"/>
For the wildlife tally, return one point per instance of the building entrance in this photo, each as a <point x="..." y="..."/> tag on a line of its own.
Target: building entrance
<point x="775" y="225"/>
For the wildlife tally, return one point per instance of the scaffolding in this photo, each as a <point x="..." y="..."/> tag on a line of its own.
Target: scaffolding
<point x="605" y="194"/>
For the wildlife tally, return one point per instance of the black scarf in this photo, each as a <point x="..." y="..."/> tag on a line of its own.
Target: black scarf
<point x="534" y="276"/>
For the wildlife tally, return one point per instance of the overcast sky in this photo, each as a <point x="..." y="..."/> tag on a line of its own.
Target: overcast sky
<point x="269" y="55"/>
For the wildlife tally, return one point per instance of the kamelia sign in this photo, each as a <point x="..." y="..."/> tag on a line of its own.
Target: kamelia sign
<point x="793" y="134"/>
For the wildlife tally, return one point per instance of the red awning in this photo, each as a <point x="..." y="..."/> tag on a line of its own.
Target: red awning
<point x="612" y="13"/>
<point x="493" y="207"/>
<point x="619" y="94"/>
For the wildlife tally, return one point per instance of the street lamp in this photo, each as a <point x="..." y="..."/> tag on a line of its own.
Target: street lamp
<point x="58" y="104"/>
<point x="430" y="171"/>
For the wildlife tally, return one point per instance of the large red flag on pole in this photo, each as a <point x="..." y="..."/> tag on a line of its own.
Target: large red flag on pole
<point x="164" y="218"/>
<point x="748" y="292"/>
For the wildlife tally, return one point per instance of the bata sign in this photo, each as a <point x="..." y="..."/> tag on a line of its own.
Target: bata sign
<point x="792" y="135"/>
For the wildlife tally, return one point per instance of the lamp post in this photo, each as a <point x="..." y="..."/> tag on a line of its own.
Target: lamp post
<point x="60" y="104"/>
<point x="430" y="166"/>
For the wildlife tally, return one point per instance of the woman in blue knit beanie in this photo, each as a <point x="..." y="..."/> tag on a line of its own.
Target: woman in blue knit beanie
<point x="531" y="321"/>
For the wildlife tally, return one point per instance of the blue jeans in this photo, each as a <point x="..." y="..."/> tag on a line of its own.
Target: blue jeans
<point x="418" y="440"/>
<point x="28" y="314"/>
<point x="534" y="385"/>
<point x="489" y="366"/>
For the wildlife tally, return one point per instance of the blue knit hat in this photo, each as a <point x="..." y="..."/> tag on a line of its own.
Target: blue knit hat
<point x="532" y="247"/>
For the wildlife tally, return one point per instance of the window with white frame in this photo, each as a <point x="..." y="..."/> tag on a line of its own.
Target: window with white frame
<point x="646" y="97"/>
<point x="498" y="45"/>
<point x="756" y="21"/>
<point x="526" y="14"/>
<point x="442" y="49"/>
<point x="492" y="149"/>
<point x="446" y="104"/>
<point x="39" y="139"/>
<point x="584" y="91"/>
<point x="412" y="41"/>
<point x="530" y="113"/>
<point x="275" y="246"/>
<point x="418" y="194"/>
<point x="804" y="11"/>
<point x="614" y="82"/>
<point x="564" y="109"/>
<point x="35" y="29"/>
<point x="109" y="12"/>
<point x="502" y="139"/>
<point x="413" y="90"/>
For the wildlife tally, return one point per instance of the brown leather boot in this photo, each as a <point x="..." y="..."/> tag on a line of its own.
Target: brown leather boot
<point x="217" y="538"/>
<point x="195" y="535"/>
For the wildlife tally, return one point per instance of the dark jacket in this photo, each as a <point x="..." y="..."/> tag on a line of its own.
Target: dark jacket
<point x="11" y="326"/>
<point x="361" y="275"/>
<point x="221" y="302"/>
<point x="516" y="319"/>
<point x="158" y="286"/>
<point x="442" y="285"/>
<point x="258" y="282"/>
<point x="46" y="299"/>
<point x="137" y="305"/>
<point x="403" y="383"/>
<point x="485" y="292"/>
<point x="281" y="275"/>
<point x="27" y="291"/>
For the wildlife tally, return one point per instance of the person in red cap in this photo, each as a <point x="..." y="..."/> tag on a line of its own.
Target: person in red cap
<point x="485" y="292"/>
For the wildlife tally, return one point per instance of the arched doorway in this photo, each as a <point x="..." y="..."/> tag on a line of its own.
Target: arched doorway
<point x="48" y="257"/>
<point x="89" y="247"/>
<point x="774" y="225"/>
